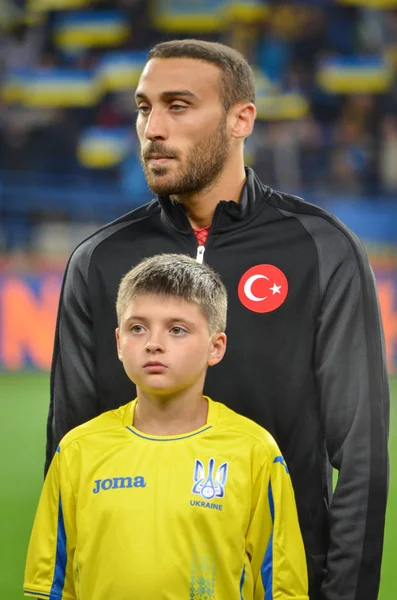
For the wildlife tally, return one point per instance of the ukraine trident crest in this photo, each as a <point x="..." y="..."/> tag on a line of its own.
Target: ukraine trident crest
<point x="209" y="486"/>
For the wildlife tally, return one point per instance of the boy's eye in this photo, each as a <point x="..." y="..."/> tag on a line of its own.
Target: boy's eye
<point x="137" y="328"/>
<point x="178" y="331"/>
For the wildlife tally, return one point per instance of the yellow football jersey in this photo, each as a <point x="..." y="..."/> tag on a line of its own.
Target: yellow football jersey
<point x="207" y="515"/>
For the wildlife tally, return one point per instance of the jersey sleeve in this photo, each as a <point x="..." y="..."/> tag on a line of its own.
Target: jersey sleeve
<point x="74" y="397"/>
<point x="351" y="373"/>
<point x="274" y="540"/>
<point x="49" y="564"/>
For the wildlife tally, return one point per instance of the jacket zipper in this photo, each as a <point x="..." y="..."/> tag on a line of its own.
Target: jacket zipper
<point x="200" y="254"/>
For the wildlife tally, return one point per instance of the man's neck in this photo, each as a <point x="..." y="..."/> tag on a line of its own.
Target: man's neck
<point x="200" y="206"/>
<point x="180" y="414"/>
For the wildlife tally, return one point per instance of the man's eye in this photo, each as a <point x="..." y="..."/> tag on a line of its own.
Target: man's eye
<point x="143" y="109"/>
<point x="178" y="107"/>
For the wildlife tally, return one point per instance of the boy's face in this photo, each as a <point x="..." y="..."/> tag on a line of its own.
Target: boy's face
<point x="165" y="345"/>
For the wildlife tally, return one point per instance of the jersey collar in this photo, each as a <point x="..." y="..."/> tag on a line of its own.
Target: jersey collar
<point x="228" y="214"/>
<point x="212" y="417"/>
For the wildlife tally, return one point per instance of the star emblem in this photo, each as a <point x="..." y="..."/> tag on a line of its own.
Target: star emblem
<point x="275" y="289"/>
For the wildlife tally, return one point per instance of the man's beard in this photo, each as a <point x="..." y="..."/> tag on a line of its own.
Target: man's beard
<point x="204" y="163"/>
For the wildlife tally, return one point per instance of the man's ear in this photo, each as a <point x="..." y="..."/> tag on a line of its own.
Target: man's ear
<point x="117" y="332"/>
<point x="242" y="119"/>
<point x="217" y="348"/>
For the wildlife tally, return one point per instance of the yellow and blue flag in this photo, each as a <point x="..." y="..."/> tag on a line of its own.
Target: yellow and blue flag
<point x="60" y="87"/>
<point x="281" y="106"/>
<point x="118" y="71"/>
<point x="355" y="75"/>
<point x="12" y="87"/>
<point x="379" y="4"/>
<point x="101" y="147"/>
<point x="275" y="104"/>
<point x="189" y="16"/>
<point x="46" y="5"/>
<point x="85" y="29"/>
<point x="248" y="11"/>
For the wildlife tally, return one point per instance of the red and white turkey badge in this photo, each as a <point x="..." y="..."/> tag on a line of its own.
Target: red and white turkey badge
<point x="263" y="288"/>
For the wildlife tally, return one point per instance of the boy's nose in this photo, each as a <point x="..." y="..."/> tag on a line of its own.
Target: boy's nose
<point x="153" y="346"/>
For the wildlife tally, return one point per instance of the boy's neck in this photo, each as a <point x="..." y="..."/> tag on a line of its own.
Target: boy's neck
<point x="180" y="414"/>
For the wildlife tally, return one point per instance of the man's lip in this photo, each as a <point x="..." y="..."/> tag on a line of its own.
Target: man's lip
<point x="159" y="157"/>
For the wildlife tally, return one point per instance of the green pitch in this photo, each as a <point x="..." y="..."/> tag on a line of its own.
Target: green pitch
<point x="23" y="410"/>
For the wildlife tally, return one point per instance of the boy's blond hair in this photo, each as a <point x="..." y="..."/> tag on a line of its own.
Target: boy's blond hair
<point x="178" y="276"/>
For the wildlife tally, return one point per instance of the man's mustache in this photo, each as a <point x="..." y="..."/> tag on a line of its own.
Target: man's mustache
<point x="158" y="149"/>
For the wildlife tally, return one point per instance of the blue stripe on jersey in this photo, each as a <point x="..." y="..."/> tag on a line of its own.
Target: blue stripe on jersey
<point x="171" y="439"/>
<point x="60" y="560"/>
<point x="281" y="460"/>
<point x="271" y="501"/>
<point x="58" y="449"/>
<point x="242" y="583"/>
<point x="267" y="565"/>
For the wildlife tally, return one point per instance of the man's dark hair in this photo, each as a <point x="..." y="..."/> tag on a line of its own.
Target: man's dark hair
<point x="237" y="78"/>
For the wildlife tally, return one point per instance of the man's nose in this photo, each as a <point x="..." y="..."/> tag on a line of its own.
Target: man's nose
<point x="156" y="128"/>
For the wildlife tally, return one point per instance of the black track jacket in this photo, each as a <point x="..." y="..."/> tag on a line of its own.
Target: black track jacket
<point x="311" y="371"/>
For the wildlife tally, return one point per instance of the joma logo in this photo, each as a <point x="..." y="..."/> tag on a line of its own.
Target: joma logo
<point x="117" y="483"/>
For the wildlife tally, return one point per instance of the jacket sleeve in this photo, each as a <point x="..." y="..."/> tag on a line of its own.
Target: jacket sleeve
<point x="274" y="540"/>
<point x="49" y="563"/>
<point x="351" y="374"/>
<point x="74" y="397"/>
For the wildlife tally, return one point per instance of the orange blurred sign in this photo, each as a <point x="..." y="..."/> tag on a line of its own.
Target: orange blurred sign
<point x="387" y="290"/>
<point x="28" y="309"/>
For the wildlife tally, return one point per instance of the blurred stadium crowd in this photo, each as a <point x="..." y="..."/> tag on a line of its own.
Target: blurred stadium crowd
<point x="327" y="99"/>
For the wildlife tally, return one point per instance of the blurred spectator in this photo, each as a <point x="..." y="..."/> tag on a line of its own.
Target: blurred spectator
<point x="340" y="145"/>
<point x="22" y="47"/>
<point x="350" y="158"/>
<point x="388" y="154"/>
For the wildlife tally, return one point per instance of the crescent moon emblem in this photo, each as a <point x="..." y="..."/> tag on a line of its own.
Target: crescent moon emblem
<point x="248" y="288"/>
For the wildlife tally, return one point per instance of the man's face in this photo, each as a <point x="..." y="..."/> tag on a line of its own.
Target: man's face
<point x="165" y="344"/>
<point x="181" y="125"/>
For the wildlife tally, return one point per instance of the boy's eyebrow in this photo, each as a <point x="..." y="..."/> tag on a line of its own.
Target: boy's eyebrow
<point x="139" y="318"/>
<point x="169" y="94"/>
<point x="136" y="318"/>
<point x="168" y="320"/>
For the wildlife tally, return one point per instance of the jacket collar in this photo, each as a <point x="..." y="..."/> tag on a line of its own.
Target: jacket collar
<point x="228" y="214"/>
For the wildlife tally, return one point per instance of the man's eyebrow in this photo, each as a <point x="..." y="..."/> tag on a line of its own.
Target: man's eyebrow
<point x="173" y="93"/>
<point x="168" y="95"/>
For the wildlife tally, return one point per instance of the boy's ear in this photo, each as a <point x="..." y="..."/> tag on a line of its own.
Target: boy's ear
<point x="217" y="348"/>
<point x="117" y="332"/>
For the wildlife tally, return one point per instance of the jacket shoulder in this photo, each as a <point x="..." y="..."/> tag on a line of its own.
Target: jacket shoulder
<point x="316" y="220"/>
<point x="81" y="257"/>
<point x="337" y="246"/>
<point x="139" y="214"/>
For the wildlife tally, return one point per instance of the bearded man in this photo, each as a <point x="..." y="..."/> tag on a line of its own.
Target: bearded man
<point x="305" y="355"/>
